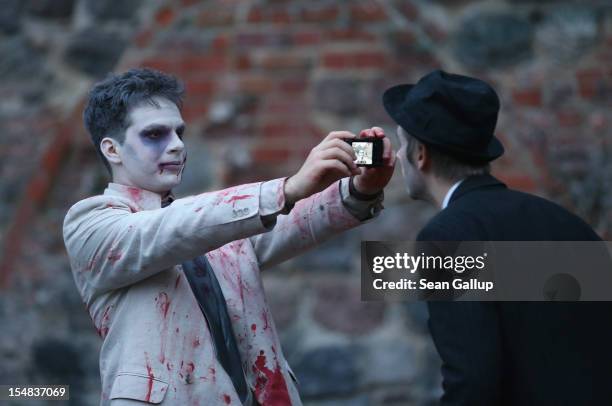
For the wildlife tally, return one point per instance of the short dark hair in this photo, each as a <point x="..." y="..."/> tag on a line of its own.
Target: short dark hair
<point x="110" y="100"/>
<point x="445" y="165"/>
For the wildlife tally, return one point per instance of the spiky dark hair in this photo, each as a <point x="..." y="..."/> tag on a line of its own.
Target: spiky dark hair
<point x="110" y="100"/>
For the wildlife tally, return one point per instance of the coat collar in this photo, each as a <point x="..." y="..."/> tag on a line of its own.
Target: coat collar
<point x="475" y="182"/>
<point x="144" y="199"/>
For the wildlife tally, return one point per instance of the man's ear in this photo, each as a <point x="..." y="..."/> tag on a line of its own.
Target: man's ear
<point x="109" y="148"/>
<point x="422" y="158"/>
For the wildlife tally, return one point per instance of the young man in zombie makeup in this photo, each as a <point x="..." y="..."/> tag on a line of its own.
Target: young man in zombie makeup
<point x="174" y="286"/>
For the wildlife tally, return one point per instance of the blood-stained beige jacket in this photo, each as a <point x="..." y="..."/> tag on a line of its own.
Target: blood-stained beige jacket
<point x="125" y="253"/>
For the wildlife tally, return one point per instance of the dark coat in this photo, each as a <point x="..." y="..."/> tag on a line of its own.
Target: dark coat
<point x="518" y="353"/>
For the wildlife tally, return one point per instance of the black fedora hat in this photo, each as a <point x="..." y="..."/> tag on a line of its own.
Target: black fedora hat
<point x="453" y="113"/>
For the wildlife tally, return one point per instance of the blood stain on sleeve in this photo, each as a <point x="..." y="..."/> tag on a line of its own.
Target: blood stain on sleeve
<point x="150" y="374"/>
<point x="264" y="317"/>
<point x="114" y="256"/>
<point x="227" y="399"/>
<point x="163" y="303"/>
<point x="270" y="386"/>
<point x="233" y="199"/>
<point x="104" y="322"/>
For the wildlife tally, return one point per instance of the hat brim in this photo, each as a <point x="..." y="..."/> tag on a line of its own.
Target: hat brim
<point x="392" y="101"/>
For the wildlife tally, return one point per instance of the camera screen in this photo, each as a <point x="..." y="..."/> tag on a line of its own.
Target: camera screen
<point x="364" y="152"/>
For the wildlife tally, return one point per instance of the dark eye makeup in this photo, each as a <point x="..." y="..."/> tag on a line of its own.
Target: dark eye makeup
<point x="156" y="132"/>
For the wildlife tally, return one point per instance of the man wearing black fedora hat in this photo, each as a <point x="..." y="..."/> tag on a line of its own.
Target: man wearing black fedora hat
<point x="495" y="353"/>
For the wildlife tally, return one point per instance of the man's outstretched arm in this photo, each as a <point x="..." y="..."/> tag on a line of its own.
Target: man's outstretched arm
<point x="316" y="218"/>
<point x="110" y="246"/>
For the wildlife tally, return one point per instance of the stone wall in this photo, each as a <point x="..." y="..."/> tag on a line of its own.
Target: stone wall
<point x="266" y="80"/>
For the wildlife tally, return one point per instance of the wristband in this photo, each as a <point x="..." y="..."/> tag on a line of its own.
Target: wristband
<point x="358" y="195"/>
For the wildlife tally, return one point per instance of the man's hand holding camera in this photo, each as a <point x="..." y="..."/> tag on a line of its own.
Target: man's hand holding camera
<point x="372" y="180"/>
<point x="333" y="159"/>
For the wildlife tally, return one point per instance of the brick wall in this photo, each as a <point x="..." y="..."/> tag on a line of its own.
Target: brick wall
<point x="265" y="81"/>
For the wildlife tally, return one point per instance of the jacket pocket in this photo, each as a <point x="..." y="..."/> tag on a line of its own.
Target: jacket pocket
<point x="136" y="386"/>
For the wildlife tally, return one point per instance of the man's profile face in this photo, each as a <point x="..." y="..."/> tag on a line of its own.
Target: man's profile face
<point x="413" y="177"/>
<point x="153" y="154"/>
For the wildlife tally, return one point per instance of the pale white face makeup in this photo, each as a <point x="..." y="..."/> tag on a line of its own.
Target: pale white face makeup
<point x="414" y="179"/>
<point x="153" y="155"/>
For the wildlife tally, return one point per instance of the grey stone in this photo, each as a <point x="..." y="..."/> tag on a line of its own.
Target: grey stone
<point x="410" y="51"/>
<point x="417" y="316"/>
<point x="568" y="32"/>
<point x="51" y="8"/>
<point x="341" y="96"/>
<point x="283" y="298"/>
<point x="198" y="175"/>
<point x="328" y="371"/>
<point x="20" y="61"/>
<point x="105" y="10"/>
<point x="10" y="15"/>
<point x="339" y="308"/>
<point x="335" y="255"/>
<point x="94" y="51"/>
<point x="56" y="360"/>
<point x="498" y="39"/>
<point x="390" y="362"/>
<point x="359" y="400"/>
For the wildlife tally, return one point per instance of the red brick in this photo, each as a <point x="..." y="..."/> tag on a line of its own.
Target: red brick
<point x="215" y="18"/>
<point x="143" y="38"/>
<point x="243" y="62"/>
<point x="284" y="61"/>
<point x="409" y="10"/>
<point x="280" y="17"/>
<point x="527" y="97"/>
<point x="200" y="87"/>
<point x="361" y="59"/>
<point x="569" y="118"/>
<point x="254" y="39"/>
<point x="307" y="38"/>
<point x="350" y="35"/>
<point x="280" y="129"/>
<point x="256" y="14"/>
<point x="319" y="14"/>
<point x="160" y="63"/>
<point x="523" y="183"/>
<point x="190" y="64"/>
<point x="265" y="154"/>
<point x="164" y="16"/>
<point x="256" y="84"/>
<point x="194" y="109"/>
<point x="403" y="39"/>
<point x="284" y="107"/>
<point x="221" y="44"/>
<point x="589" y="81"/>
<point x="293" y="86"/>
<point x="259" y="14"/>
<point x="368" y="12"/>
